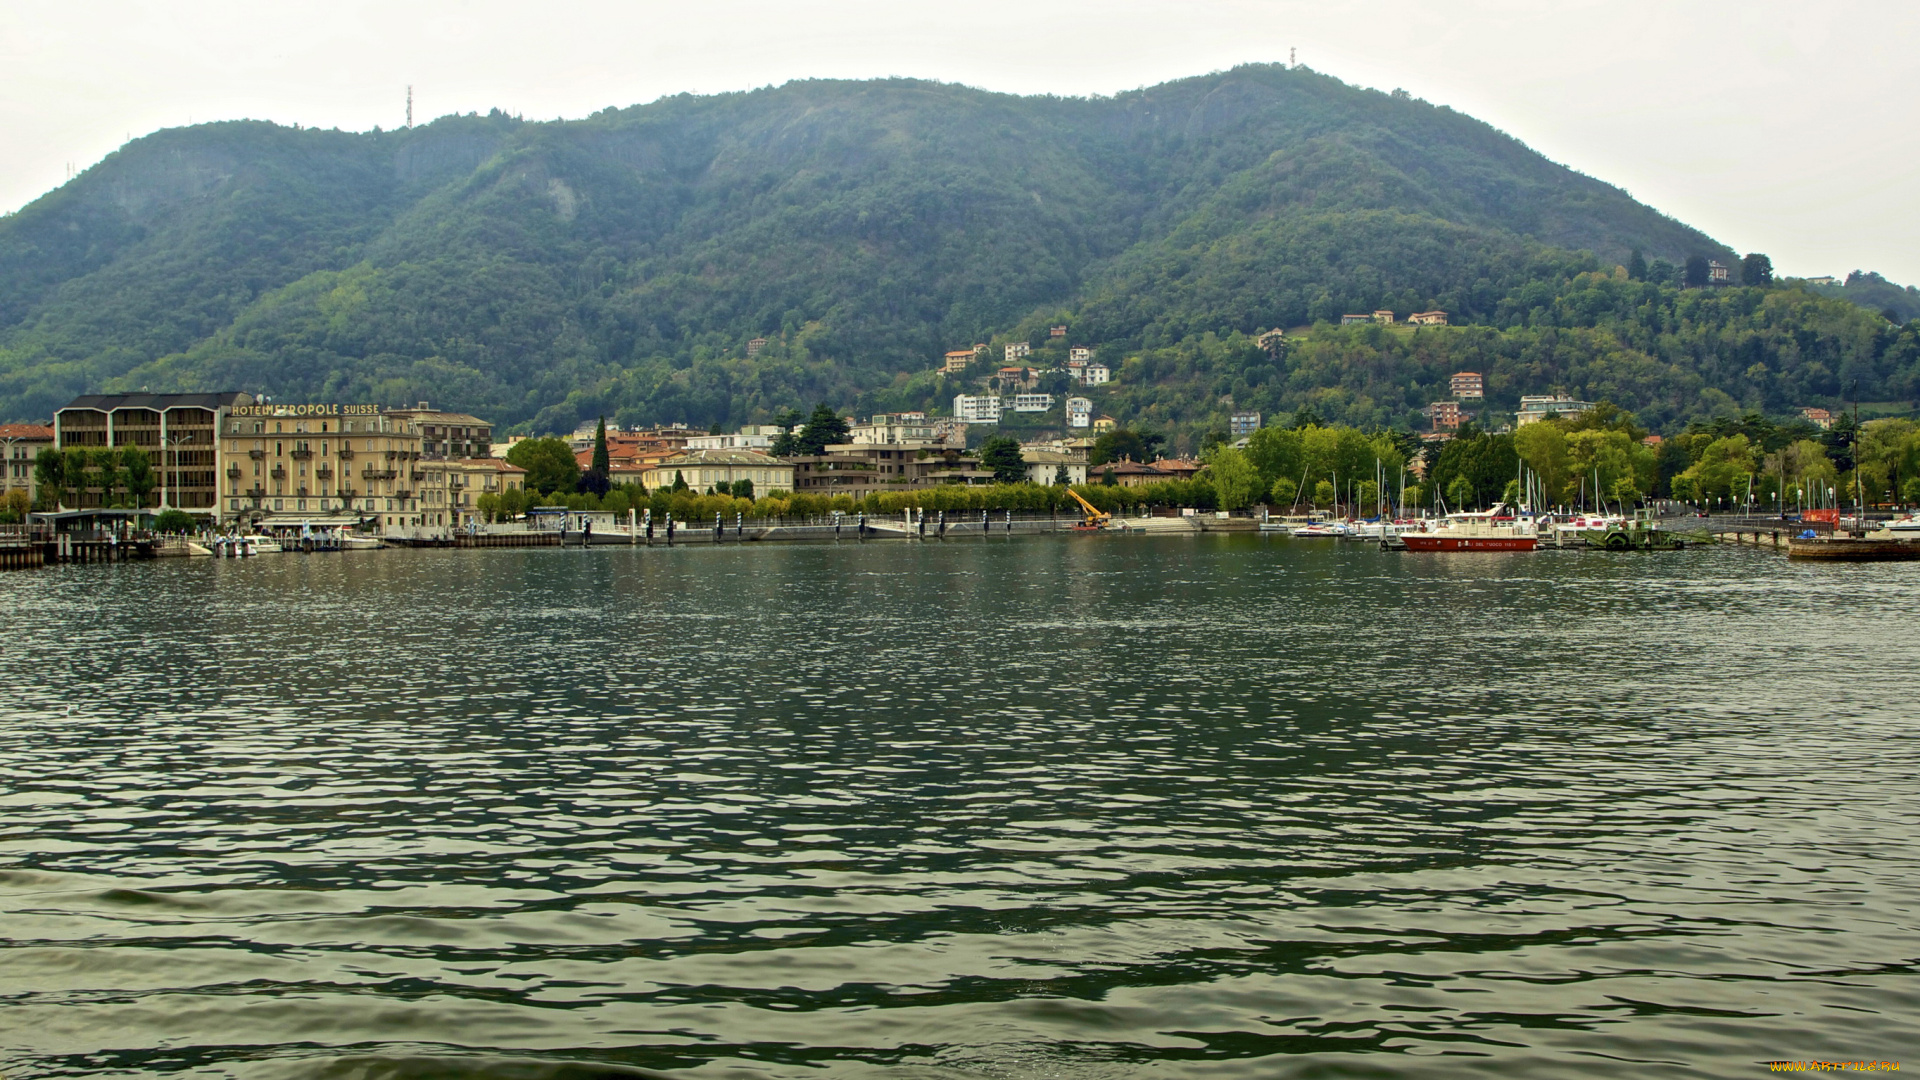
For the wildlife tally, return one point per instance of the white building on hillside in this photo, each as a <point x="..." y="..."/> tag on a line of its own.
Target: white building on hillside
<point x="1018" y="350"/>
<point x="1033" y="403"/>
<point x="1079" y="412"/>
<point x="977" y="408"/>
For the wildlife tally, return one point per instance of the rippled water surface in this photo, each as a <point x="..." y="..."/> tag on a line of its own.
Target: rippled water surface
<point x="1084" y="807"/>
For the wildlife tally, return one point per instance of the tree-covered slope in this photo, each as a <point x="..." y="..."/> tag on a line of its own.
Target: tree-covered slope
<point x="545" y="271"/>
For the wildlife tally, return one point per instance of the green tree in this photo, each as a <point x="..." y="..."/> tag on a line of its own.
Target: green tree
<point x="108" y="474"/>
<point x="1124" y="444"/>
<point x="1756" y="270"/>
<point x="1543" y="446"/>
<point x="1636" y="266"/>
<point x="679" y="483"/>
<point x="1696" y="271"/>
<point x="1324" y="494"/>
<point x="824" y="428"/>
<point x="172" y="520"/>
<point x="550" y="464"/>
<point x="138" y="470"/>
<point x="50" y="476"/>
<point x="1001" y="453"/>
<point x="1235" y="481"/>
<point x="743" y="489"/>
<point x="602" y="463"/>
<point x="1460" y="493"/>
<point x="1061" y="478"/>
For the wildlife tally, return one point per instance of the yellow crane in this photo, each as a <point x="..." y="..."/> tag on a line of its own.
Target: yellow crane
<point x="1096" y="518"/>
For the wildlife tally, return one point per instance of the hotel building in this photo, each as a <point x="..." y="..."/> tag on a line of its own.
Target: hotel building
<point x="321" y="464"/>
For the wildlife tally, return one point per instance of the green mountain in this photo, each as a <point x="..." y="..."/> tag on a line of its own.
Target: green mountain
<point x="543" y="272"/>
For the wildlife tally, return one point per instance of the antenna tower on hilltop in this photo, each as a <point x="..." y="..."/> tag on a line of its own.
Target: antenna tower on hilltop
<point x="1293" y="57"/>
<point x="409" y="104"/>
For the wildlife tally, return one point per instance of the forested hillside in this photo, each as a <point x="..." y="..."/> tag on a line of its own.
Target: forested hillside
<point x="538" y="273"/>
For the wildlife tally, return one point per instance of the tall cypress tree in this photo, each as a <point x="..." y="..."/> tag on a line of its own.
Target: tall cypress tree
<point x="602" y="463"/>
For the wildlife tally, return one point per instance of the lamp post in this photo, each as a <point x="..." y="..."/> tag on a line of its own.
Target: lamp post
<point x="173" y="442"/>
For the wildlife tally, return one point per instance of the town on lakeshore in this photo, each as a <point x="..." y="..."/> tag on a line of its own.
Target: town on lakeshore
<point x="232" y="473"/>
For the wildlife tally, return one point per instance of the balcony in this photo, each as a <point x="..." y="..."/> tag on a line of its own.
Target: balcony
<point x="256" y="454"/>
<point x="403" y="493"/>
<point x="371" y="473"/>
<point x="279" y="472"/>
<point x="346" y="452"/>
<point x="300" y="493"/>
<point x="256" y="493"/>
<point x="418" y="475"/>
<point x="233" y="472"/>
<point x="324" y="472"/>
<point x="348" y="493"/>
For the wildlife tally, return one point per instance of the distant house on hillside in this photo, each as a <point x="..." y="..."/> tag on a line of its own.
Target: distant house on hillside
<point x="1467" y="384"/>
<point x="1105" y="423"/>
<point x="1080" y="353"/>
<point x="1445" y="415"/>
<point x="754" y="347"/>
<point x="1094" y="374"/>
<point x="1079" y="412"/>
<point x="957" y="361"/>
<point x="1355" y="320"/>
<point x="1717" y="273"/>
<point x="1032" y="403"/>
<point x="1056" y="331"/>
<point x="1428" y="318"/>
<point x="1825" y="281"/>
<point x="1383" y="317"/>
<point x="1820" y="417"/>
<point x="1535" y="407"/>
<point x="1242" y="424"/>
<point x="1272" y="341"/>
<point x="1017" y="350"/>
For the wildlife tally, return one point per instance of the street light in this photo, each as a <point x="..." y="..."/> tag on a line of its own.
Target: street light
<point x="174" y="441"/>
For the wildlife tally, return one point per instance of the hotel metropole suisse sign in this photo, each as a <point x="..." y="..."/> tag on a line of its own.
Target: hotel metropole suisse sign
<point x="327" y="409"/>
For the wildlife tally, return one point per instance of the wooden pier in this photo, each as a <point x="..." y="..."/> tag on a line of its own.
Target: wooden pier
<point x="1757" y="537"/>
<point x="502" y="540"/>
<point x="20" y="549"/>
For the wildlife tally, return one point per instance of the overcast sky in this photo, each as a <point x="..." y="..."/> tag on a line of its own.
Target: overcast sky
<point x="1779" y="127"/>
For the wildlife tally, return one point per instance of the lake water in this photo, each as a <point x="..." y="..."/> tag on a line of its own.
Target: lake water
<point x="1067" y="807"/>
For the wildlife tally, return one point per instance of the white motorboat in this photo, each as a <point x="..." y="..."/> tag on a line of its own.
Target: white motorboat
<point x="350" y="542"/>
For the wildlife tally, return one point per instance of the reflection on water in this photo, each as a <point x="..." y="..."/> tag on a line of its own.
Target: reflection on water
<point x="1071" y="807"/>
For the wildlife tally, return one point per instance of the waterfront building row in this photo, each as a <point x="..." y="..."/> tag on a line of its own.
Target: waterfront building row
<point x="233" y="459"/>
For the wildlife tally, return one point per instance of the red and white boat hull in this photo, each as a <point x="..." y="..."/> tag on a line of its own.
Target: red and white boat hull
<point x="1442" y="542"/>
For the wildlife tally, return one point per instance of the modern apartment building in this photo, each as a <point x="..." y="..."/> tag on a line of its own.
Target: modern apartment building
<point x="178" y="432"/>
<point x="977" y="408"/>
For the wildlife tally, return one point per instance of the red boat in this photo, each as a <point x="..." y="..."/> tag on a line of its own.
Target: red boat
<point x="1492" y="530"/>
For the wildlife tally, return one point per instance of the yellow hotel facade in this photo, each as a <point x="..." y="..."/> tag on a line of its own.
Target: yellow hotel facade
<point x="320" y="464"/>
